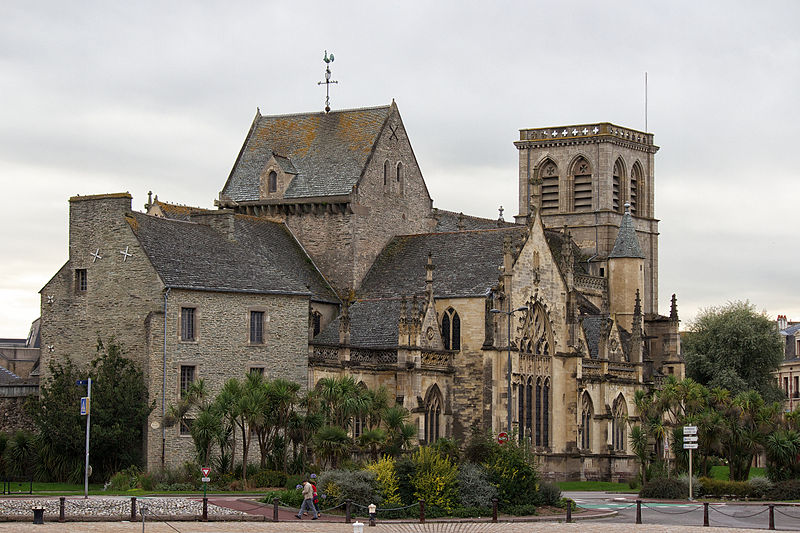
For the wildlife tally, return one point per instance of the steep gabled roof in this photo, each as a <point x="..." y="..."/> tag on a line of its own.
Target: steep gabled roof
<point x="263" y="257"/>
<point x="177" y="212"/>
<point x="466" y="263"/>
<point x="328" y="152"/>
<point x="449" y="221"/>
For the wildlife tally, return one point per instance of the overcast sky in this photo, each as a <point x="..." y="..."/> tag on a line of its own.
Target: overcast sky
<point x="101" y="97"/>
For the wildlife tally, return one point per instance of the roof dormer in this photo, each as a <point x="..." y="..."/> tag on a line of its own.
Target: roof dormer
<point x="275" y="177"/>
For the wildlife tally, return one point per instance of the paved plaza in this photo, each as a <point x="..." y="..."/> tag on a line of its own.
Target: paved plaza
<point x="329" y="527"/>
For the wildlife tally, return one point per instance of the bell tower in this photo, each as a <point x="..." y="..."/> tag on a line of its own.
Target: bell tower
<point x="581" y="177"/>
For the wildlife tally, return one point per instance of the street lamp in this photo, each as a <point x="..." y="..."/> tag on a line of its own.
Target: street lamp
<point x="509" y="314"/>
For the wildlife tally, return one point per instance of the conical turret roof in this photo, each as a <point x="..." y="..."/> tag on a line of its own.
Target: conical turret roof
<point x="627" y="244"/>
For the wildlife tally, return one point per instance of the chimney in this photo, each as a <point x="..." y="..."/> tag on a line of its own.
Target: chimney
<point x="222" y="221"/>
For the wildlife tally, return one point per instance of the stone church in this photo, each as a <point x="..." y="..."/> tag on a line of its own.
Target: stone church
<point x="326" y="257"/>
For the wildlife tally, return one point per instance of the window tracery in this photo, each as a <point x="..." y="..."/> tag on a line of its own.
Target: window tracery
<point x="451" y="329"/>
<point x="433" y="413"/>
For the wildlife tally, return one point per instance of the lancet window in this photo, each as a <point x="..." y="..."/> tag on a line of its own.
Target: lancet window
<point x="451" y="329"/>
<point x="616" y="186"/>
<point x="581" y="185"/>
<point x="636" y="183"/>
<point x="548" y="177"/>
<point x="433" y="415"/>
<point x="619" y="418"/>
<point x="587" y="412"/>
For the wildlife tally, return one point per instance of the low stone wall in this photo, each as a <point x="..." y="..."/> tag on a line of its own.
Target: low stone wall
<point x="13" y="416"/>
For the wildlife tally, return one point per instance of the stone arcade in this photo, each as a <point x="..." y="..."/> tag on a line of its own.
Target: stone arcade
<point x="326" y="257"/>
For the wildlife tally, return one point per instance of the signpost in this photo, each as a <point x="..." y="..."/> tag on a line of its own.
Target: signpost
<point x="206" y="471"/>
<point x="690" y="443"/>
<point x="86" y="409"/>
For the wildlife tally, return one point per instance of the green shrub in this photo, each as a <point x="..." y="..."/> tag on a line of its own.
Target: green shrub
<point x="405" y="469"/>
<point x="435" y="478"/>
<point x="784" y="490"/>
<point x="480" y="446"/>
<point x="697" y="487"/>
<point x="360" y="486"/>
<point x="293" y="480"/>
<point x="521" y="510"/>
<point x="474" y="488"/>
<point x="720" y="488"/>
<point x="663" y="488"/>
<point x="512" y="471"/>
<point x="268" y="478"/>
<point x="290" y="497"/>
<point x="126" y="479"/>
<point x="447" y="448"/>
<point x="471" y="512"/>
<point x="174" y="487"/>
<point x="549" y="494"/>
<point x="759" y="486"/>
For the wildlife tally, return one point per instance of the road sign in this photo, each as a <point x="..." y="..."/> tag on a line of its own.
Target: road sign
<point x="83" y="382"/>
<point x="206" y="471"/>
<point x="689" y="445"/>
<point x="84" y="405"/>
<point x="205" y="479"/>
<point x="690" y="430"/>
<point x="502" y="438"/>
<point x="690" y="438"/>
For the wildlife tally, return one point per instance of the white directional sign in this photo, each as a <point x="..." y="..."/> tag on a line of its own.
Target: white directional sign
<point x="690" y="430"/>
<point x="689" y="445"/>
<point x="690" y="438"/>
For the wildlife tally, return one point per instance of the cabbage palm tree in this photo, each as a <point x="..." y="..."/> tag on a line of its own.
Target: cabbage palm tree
<point x="332" y="444"/>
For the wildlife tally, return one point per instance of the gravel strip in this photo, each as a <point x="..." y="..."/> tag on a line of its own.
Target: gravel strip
<point x="112" y="507"/>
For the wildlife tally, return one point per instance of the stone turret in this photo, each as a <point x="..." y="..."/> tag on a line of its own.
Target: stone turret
<point x="625" y="272"/>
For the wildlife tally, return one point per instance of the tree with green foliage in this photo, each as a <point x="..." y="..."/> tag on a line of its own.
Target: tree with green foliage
<point x="119" y="413"/>
<point x="736" y="348"/>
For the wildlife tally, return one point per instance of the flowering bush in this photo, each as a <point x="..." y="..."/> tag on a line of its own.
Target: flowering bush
<point x="512" y="471"/>
<point x="474" y="487"/>
<point x="386" y="476"/>
<point x="435" y="478"/>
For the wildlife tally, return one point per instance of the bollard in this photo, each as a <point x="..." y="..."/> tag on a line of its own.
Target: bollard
<point x="347" y="505"/>
<point x="205" y="508"/>
<point x="133" y="508"/>
<point x="772" y="516"/>
<point x="638" y="511"/>
<point x="274" y="509"/>
<point x="422" y="511"/>
<point x="569" y="511"/>
<point x="61" y="517"/>
<point x="705" y="514"/>
<point x="38" y="515"/>
<point x="358" y="527"/>
<point x="494" y="509"/>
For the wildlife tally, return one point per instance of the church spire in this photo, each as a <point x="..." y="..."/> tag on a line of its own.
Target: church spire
<point x="627" y="244"/>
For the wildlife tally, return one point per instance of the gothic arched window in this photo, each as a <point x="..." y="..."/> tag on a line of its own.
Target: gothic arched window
<point x="360" y="420"/>
<point x="433" y="414"/>
<point x="546" y="413"/>
<point x="537" y="337"/>
<point x="451" y="329"/>
<point x="273" y="181"/>
<point x="385" y="173"/>
<point x="548" y="176"/>
<point x="619" y="417"/>
<point x="587" y="412"/>
<point x="581" y="185"/>
<point x="316" y="323"/>
<point x="400" y="178"/>
<point x="617" y="180"/>
<point x="636" y="183"/>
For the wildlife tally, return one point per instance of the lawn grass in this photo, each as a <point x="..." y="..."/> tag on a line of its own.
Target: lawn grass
<point x="594" y="486"/>
<point x="722" y="472"/>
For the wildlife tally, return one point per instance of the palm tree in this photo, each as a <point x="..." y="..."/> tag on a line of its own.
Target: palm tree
<point x="639" y="444"/>
<point x="372" y="440"/>
<point x="205" y="430"/>
<point x="332" y="444"/>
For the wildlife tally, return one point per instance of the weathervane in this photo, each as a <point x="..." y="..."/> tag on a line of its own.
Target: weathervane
<point x="328" y="60"/>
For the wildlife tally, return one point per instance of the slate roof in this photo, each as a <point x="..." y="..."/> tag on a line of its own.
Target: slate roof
<point x="373" y="324"/>
<point x="627" y="244"/>
<point x="328" y="151"/>
<point x="466" y="263"/>
<point x="180" y="212"/>
<point x="6" y="376"/>
<point x="591" y="330"/>
<point x="791" y="330"/>
<point x="263" y="257"/>
<point x="448" y="221"/>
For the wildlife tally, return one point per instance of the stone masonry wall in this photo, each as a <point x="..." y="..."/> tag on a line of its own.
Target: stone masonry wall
<point x="344" y="245"/>
<point x="222" y="350"/>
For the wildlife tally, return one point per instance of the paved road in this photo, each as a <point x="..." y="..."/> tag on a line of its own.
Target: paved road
<point x="740" y="515"/>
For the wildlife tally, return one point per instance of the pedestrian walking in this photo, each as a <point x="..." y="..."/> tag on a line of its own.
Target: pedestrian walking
<point x="308" y="501"/>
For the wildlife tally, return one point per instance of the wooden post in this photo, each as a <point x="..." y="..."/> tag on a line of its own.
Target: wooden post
<point x="347" y="505"/>
<point x="494" y="509"/>
<point x="569" y="511"/>
<point x="133" y="508"/>
<point x="274" y="509"/>
<point x="638" y="511"/>
<point x="772" y="516"/>
<point x="705" y="514"/>
<point x="205" y="509"/>
<point x="61" y="517"/>
<point x="422" y="511"/>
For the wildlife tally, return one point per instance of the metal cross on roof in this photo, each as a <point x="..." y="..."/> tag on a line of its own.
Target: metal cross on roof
<point x="328" y="60"/>
<point x="125" y="254"/>
<point x="96" y="255"/>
